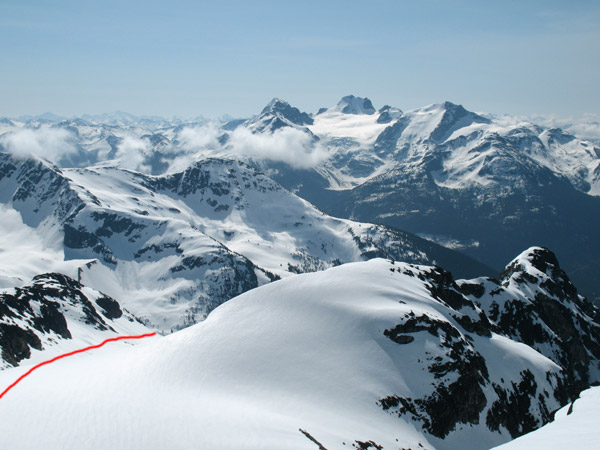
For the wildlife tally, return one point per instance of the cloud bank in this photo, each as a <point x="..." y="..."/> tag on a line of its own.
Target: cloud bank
<point x="585" y="126"/>
<point x="133" y="152"/>
<point x="199" y="138"/>
<point x="288" y="145"/>
<point x="45" y="142"/>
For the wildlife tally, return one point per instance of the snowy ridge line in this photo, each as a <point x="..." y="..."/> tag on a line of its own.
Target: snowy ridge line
<point x="92" y="347"/>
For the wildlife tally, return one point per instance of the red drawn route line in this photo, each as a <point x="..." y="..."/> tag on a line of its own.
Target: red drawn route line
<point x="92" y="347"/>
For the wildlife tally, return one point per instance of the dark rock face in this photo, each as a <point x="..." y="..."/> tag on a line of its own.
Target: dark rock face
<point x="512" y="408"/>
<point x="110" y="307"/>
<point x="534" y="303"/>
<point x="554" y="315"/>
<point x="39" y="310"/>
<point x="384" y="114"/>
<point x="356" y="105"/>
<point x="366" y="445"/>
<point x="452" y="402"/>
<point x="16" y="343"/>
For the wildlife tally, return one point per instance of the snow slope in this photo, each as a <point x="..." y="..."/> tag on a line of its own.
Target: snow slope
<point x="368" y="353"/>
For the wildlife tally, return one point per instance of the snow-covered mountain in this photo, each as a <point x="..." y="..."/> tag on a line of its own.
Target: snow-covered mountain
<point x="376" y="354"/>
<point x="171" y="248"/>
<point x="486" y="186"/>
<point x="277" y="114"/>
<point x="56" y="314"/>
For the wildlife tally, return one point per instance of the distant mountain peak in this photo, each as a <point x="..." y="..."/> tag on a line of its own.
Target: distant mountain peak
<point x="283" y="109"/>
<point x="453" y="117"/>
<point x="388" y="113"/>
<point x="355" y="105"/>
<point x="47" y="117"/>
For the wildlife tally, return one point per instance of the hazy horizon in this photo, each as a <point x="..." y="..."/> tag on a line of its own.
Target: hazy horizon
<point x="202" y="58"/>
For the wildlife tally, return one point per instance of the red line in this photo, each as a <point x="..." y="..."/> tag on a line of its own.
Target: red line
<point x="70" y="354"/>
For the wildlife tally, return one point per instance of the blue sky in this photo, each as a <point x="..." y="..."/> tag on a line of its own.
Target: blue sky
<point x="192" y="58"/>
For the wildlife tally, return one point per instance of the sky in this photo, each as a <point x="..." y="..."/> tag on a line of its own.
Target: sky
<point x="190" y="58"/>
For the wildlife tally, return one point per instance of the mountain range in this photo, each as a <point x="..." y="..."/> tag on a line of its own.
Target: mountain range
<point x="175" y="246"/>
<point x="483" y="185"/>
<point x="338" y="279"/>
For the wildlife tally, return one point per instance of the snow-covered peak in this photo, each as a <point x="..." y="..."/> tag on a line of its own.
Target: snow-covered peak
<point x="352" y="119"/>
<point x="278" y="114"/>
<point x="539" y="267"/>
<point x="354" y="105"/>
<point x="539" y="258"/>
<point x="47" y="117"/>
<point x="122" y="118"/>
<point x="191" y="239"/>
<point x="285" y="110"/>
<point x="438" y="122"/>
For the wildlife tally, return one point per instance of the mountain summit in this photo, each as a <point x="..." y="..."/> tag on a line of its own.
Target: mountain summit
<point x="355" y="105"/>
<point x="278" y="114"/>
<point x="284" y="110"/>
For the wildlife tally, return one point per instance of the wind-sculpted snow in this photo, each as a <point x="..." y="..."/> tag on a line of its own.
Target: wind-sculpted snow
<point x="377" y="354"/>
<point x="173" y="247"/>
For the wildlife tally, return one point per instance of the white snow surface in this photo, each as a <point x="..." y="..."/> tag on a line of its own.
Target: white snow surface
<point x="25" y="253"/>
<point x="305" y="353"/>
<point x="361" y="127"/>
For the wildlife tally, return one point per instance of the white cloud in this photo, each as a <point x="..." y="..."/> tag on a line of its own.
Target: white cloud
<point x="584" y="126"/>
<point x="199" y="138"/>
<point x="288" y="145"/>
<point x="132" y="152"/>
<point x="44" y="142"/>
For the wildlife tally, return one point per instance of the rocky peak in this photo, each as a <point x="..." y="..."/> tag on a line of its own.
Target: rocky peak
<point x="538" y="265"/>
<point x="284" y="110"/>
<point x="355" y="105"/>
<point x="536" y="303"/>
<point x="388" y="113"/>
<point x="42" y="315"/>
<point x="454" y="117"/>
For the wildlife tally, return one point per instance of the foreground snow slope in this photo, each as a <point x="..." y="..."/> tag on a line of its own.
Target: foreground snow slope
<point x="364" y="352"/>
<point x="574" y="426"/>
